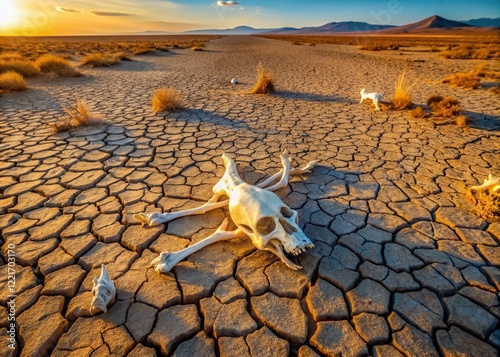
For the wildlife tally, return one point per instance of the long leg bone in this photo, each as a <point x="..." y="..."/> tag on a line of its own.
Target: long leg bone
<point x="167" y="260"/>
<point x="283" y="182"/>
<point x="157" y="218"/>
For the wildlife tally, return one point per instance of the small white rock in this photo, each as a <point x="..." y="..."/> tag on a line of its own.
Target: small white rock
<point x="234" y="81"/>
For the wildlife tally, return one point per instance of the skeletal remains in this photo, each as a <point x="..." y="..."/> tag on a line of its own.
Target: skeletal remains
<point x="256" y="211"/>
<point x="103" y="292"/>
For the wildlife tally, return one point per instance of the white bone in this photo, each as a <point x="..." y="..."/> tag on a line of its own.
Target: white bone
<point x="154" y="219"/>
<point x="375" y="97"/>
<point x="491" y="183"/>
<point x="103" y="292"/>
<point x="167" y="260"/>
<point x="257" y="212"/>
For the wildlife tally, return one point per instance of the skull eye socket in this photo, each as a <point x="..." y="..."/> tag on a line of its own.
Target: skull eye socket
<point x="266" y="225"/>
<point x="286" y="212"/>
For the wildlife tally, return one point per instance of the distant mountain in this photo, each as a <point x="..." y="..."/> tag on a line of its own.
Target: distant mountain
<point x="239" y="30"/>
<point x="425" y="25"/>
<point x="483" y="22"/>
<point x="334" y="27"/>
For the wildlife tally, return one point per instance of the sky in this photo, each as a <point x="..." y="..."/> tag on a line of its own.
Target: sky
<point x="93" y="17"/>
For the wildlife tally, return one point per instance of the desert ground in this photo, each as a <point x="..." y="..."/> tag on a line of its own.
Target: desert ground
<point x="402" y="266"/>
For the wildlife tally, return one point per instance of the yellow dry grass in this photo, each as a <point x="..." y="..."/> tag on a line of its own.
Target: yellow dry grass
<point x="11" y="81"/>
<point x="22" y="66"/>
<point x="465" y="80"/>
<point x="100" y="59"/>
<point x="55" y="65"/>
<point x="418" y="112"/>
<point x="78" y="116"/>
<point x="402" y="93"/>
<point x="197" y="48"/>
<point x="166" y="99"/>
<point x="265" y="81"/>
<point x="462" y="120"/>
<point x="447" y="107"/>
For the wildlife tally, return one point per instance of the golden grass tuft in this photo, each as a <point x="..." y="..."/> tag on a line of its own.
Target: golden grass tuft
<point x="11" y="56"/>
<point x="23" y="67"/>
<point x="465" y="80"/>
<point x="78" y="116"/>
<point x="402" y="93"/>
<point x="57" y="66"/>
<point x="418" y="112"/>
<point x="100" y="60"/>
<point x="434" y="98"/>
<point x="447" y="107"/>
<point x="265" y="81"/>
<point x="12" y="81"/>
<point x="166" y="99"/>
<point x="197" y="48"/>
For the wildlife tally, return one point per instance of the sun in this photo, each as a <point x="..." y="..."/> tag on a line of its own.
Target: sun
<point x="8" y="13"/>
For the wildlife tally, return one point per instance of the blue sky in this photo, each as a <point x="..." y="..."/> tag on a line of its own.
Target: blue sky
<point x="70" y="17"/>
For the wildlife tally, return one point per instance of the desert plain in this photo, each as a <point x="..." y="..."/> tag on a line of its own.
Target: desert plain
<point x="403" y="265"/>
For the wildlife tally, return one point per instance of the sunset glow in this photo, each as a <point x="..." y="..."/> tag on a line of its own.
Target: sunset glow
<point x="8" y="13"/>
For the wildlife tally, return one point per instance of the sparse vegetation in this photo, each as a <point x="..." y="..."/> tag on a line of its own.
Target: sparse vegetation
<point x="57" y="66"/>
<point x="466" y="80"/>
<point x="472" y="51"/>
<point x="11" y="81"/>
<point x="402" y="93"/>
<point x="143" y="50"/>
<point x="472" y="79"/>
<point x="265" y="81"/>
<point x="447" y="107"/>
<point x="434" y="98"/>
<point x="379" y="47"/>
<point x="100" y="60"/>
<point x="166" y="99"/>
<point x="78" y="116"/>
<point x="418" y="112"/>
<point x="197" y="48"/>
<point x="22" y="66"/>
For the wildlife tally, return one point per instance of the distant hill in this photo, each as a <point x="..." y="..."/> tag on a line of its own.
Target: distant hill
<point x="483" y="22"/>
<point x="334" y="27"/>
<point x="430" y="23"/>
<point x="239" y="30"/>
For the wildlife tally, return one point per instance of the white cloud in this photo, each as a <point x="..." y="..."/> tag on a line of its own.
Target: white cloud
<point x="227" y="3"/>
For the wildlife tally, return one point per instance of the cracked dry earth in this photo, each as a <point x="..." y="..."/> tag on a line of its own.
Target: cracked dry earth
<point x="400" y="266"/>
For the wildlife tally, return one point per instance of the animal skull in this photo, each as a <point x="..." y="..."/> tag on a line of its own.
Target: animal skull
<point x="103" y="292"/>
<point x="256" y="211"/>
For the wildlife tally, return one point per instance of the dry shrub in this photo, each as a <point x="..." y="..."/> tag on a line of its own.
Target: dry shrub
<point x="56" y="66"/>
<point x="418" y="112"/>
<point x="11" y="81"/>
<point x="23" y="66"/>
<point x="446" y="108"/>
<point x="434" y="98"/>
<point x="402" y="93"/>
<point x="465" y="80"/>
<point x="312" y="44"/>
<point x="11" y="56"/>
<point x="166" y="99"/>
<point x="122" y="56"/>
<point x="297" y="43"/>
<point x="101" y="60"/>
<point x="142" y="50"/>
<point x="265" y="81"/>
<point x="462" y="120"/>
<point x="78" y="116"/>
<point x="196" y="48"/>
